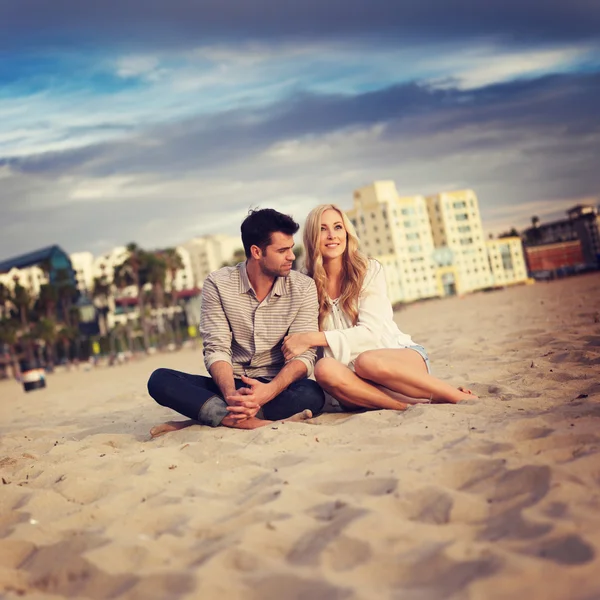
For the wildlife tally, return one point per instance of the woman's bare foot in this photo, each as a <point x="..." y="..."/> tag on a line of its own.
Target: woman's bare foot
<point x="467" y="393"/>
<point x="163" y="428"/>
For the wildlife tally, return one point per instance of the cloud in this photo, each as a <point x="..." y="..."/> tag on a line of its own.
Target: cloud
<point x="520" y="145"/>
<point x="181" y="23"/>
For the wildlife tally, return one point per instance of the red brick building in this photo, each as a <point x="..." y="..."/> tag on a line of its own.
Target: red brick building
<point x="550" y="257"/>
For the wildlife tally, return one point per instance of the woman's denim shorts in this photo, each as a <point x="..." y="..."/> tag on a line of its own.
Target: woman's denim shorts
<point x="423" y="353"/>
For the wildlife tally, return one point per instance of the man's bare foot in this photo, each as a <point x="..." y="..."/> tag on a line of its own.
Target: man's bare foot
<point x="301" y="416"/>
<point x="163" y="428"/>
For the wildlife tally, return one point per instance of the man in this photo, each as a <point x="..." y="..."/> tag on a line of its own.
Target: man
<point x="247" y="310"/>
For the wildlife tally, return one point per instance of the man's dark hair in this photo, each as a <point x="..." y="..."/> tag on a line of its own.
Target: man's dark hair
<point x="259" y="225"/>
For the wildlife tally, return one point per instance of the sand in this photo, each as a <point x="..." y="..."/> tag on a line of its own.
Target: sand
<point x="498" y="498"/>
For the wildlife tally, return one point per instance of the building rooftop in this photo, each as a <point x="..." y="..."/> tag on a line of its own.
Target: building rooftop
<point x="28" y="260"/>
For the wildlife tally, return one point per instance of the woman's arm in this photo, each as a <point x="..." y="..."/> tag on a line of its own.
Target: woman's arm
<point x="346" y="344"/>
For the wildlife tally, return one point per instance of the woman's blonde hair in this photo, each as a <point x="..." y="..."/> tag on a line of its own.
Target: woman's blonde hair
<point x="354" y="262"/>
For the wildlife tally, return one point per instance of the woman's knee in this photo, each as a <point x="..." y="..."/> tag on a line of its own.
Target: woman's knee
<point x="367" y="365"/>
<point x="329" y="373"/>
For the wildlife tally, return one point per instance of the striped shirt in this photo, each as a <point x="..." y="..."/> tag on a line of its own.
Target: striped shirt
<point x="248" y="334"/>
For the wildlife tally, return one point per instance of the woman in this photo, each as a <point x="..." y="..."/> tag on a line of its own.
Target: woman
<point x="368" y="362"/>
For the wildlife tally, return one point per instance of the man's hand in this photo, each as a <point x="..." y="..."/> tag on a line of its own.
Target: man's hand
<point x="240" y="405"/>
<point x="295" y="344"/>
<point x="257" y="391"/>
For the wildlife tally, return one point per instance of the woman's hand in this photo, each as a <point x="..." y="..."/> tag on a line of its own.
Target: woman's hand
<point x="295" y="344"/>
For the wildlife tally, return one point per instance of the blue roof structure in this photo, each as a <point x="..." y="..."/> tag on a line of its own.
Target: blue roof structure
<point x="54" y="256"/>
<point x="29" y="259"/>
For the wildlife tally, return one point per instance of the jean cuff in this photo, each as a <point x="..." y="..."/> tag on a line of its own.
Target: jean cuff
<point x="213" y="411"/>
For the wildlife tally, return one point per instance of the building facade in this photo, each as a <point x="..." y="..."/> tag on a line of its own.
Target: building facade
<point x="582" y="224"/>
<point x="432" y="246"/>
<point x="208" y="253"/>
<point x="47" y="265"/>
<point x="83" y="265"/>
<point x="507" y="261"/>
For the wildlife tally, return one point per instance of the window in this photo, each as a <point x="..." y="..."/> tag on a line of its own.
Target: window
<point x="460" y="204"/>
<point x="462" y="217"/>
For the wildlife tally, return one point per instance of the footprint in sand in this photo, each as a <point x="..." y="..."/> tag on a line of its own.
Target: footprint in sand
<point x="431" y="574"/>
<point x="427" y="505"/>
<point x="307" y="550"/>
<point x="292" y="587"/>
<point x="566" y="550"/>
<point x="373" y="486"/>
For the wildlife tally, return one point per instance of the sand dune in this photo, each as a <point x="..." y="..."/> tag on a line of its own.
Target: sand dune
<point x="494" y="499"/>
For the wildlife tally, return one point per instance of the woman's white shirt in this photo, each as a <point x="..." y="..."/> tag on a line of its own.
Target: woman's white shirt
<point x="375" y="328"/>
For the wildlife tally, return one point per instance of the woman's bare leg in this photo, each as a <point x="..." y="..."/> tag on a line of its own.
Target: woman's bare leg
<point x="404" y="371"/>
<point x="352" y="391"/>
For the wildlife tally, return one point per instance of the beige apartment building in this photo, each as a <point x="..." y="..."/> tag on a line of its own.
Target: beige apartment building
<point x="458" y="233"/>
<point x="208" y="253"/>
<point x="396" y="231"/>
<point x="507" y="260"/>
<point x="432" y="246"/>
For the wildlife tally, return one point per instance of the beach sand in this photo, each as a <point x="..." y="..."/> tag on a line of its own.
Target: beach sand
<point x="497" y="498"/>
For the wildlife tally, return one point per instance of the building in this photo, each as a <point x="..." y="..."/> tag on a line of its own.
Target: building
<point x="83" y="265"/>
<point x="582" y="224"/>
<point x="507" y="261"/>
<point x="184" y="277"/>
<point x="31" y="270"/>
<point x="562" y="257"/>
<point x="432" y="246"/>
<point x="458" y="236"/>
<point x="209" y="253"/>
<point x="396" y="231"/>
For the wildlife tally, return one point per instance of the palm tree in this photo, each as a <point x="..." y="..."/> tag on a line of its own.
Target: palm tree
<point x="157" y="274"/>
<point x="46" y="330"/>
<point x="5" y="298"/>
<point x="133" y="271"/>
<point x="9" y="329"/>
<point x="66" y="335"/>
<point x="174" y="263"/>
<point x="47" y="300"/>
<point x="22" y="300"/>
<point x="100" y="294"/>
<point x="67" y="294"/>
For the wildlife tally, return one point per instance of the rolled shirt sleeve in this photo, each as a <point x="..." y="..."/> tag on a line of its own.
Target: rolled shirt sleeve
<point x="307" y="320"/>
<point x="214" y="326"/>
<point x="374" y="309"/>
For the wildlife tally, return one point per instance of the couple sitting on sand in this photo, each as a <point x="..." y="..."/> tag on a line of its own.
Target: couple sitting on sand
<point x="262" y="325"/>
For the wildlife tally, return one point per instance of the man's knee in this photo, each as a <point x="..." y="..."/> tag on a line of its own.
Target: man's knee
<point x="157" y="382"/>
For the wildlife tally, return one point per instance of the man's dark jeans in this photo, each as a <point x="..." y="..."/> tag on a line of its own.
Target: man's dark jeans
<point x="198" y="397"/>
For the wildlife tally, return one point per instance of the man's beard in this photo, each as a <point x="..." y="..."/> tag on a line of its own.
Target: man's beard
<point x="272" y="272"/>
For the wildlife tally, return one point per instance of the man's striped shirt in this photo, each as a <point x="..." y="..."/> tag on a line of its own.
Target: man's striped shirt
<point x="248" y="334"/>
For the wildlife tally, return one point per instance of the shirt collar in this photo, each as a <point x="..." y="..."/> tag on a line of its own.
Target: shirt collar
<point x="279" y="287"/>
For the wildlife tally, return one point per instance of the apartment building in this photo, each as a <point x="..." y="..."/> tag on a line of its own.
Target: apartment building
<point x="432" y="246"/>
<point x="83" y="266"/>
<point x="457" y="230"/>
<point x="395" y="230"/>
<point x="507" y="261"/>
<point x="208" y="253"/>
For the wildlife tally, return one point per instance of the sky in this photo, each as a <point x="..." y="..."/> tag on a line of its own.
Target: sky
<point x="155" y="122"/>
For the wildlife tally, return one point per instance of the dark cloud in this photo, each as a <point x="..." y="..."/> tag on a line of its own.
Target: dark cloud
<point x="514" y="143"/>
<point x="565" y="105"/>
<point x="155" y="23"/>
